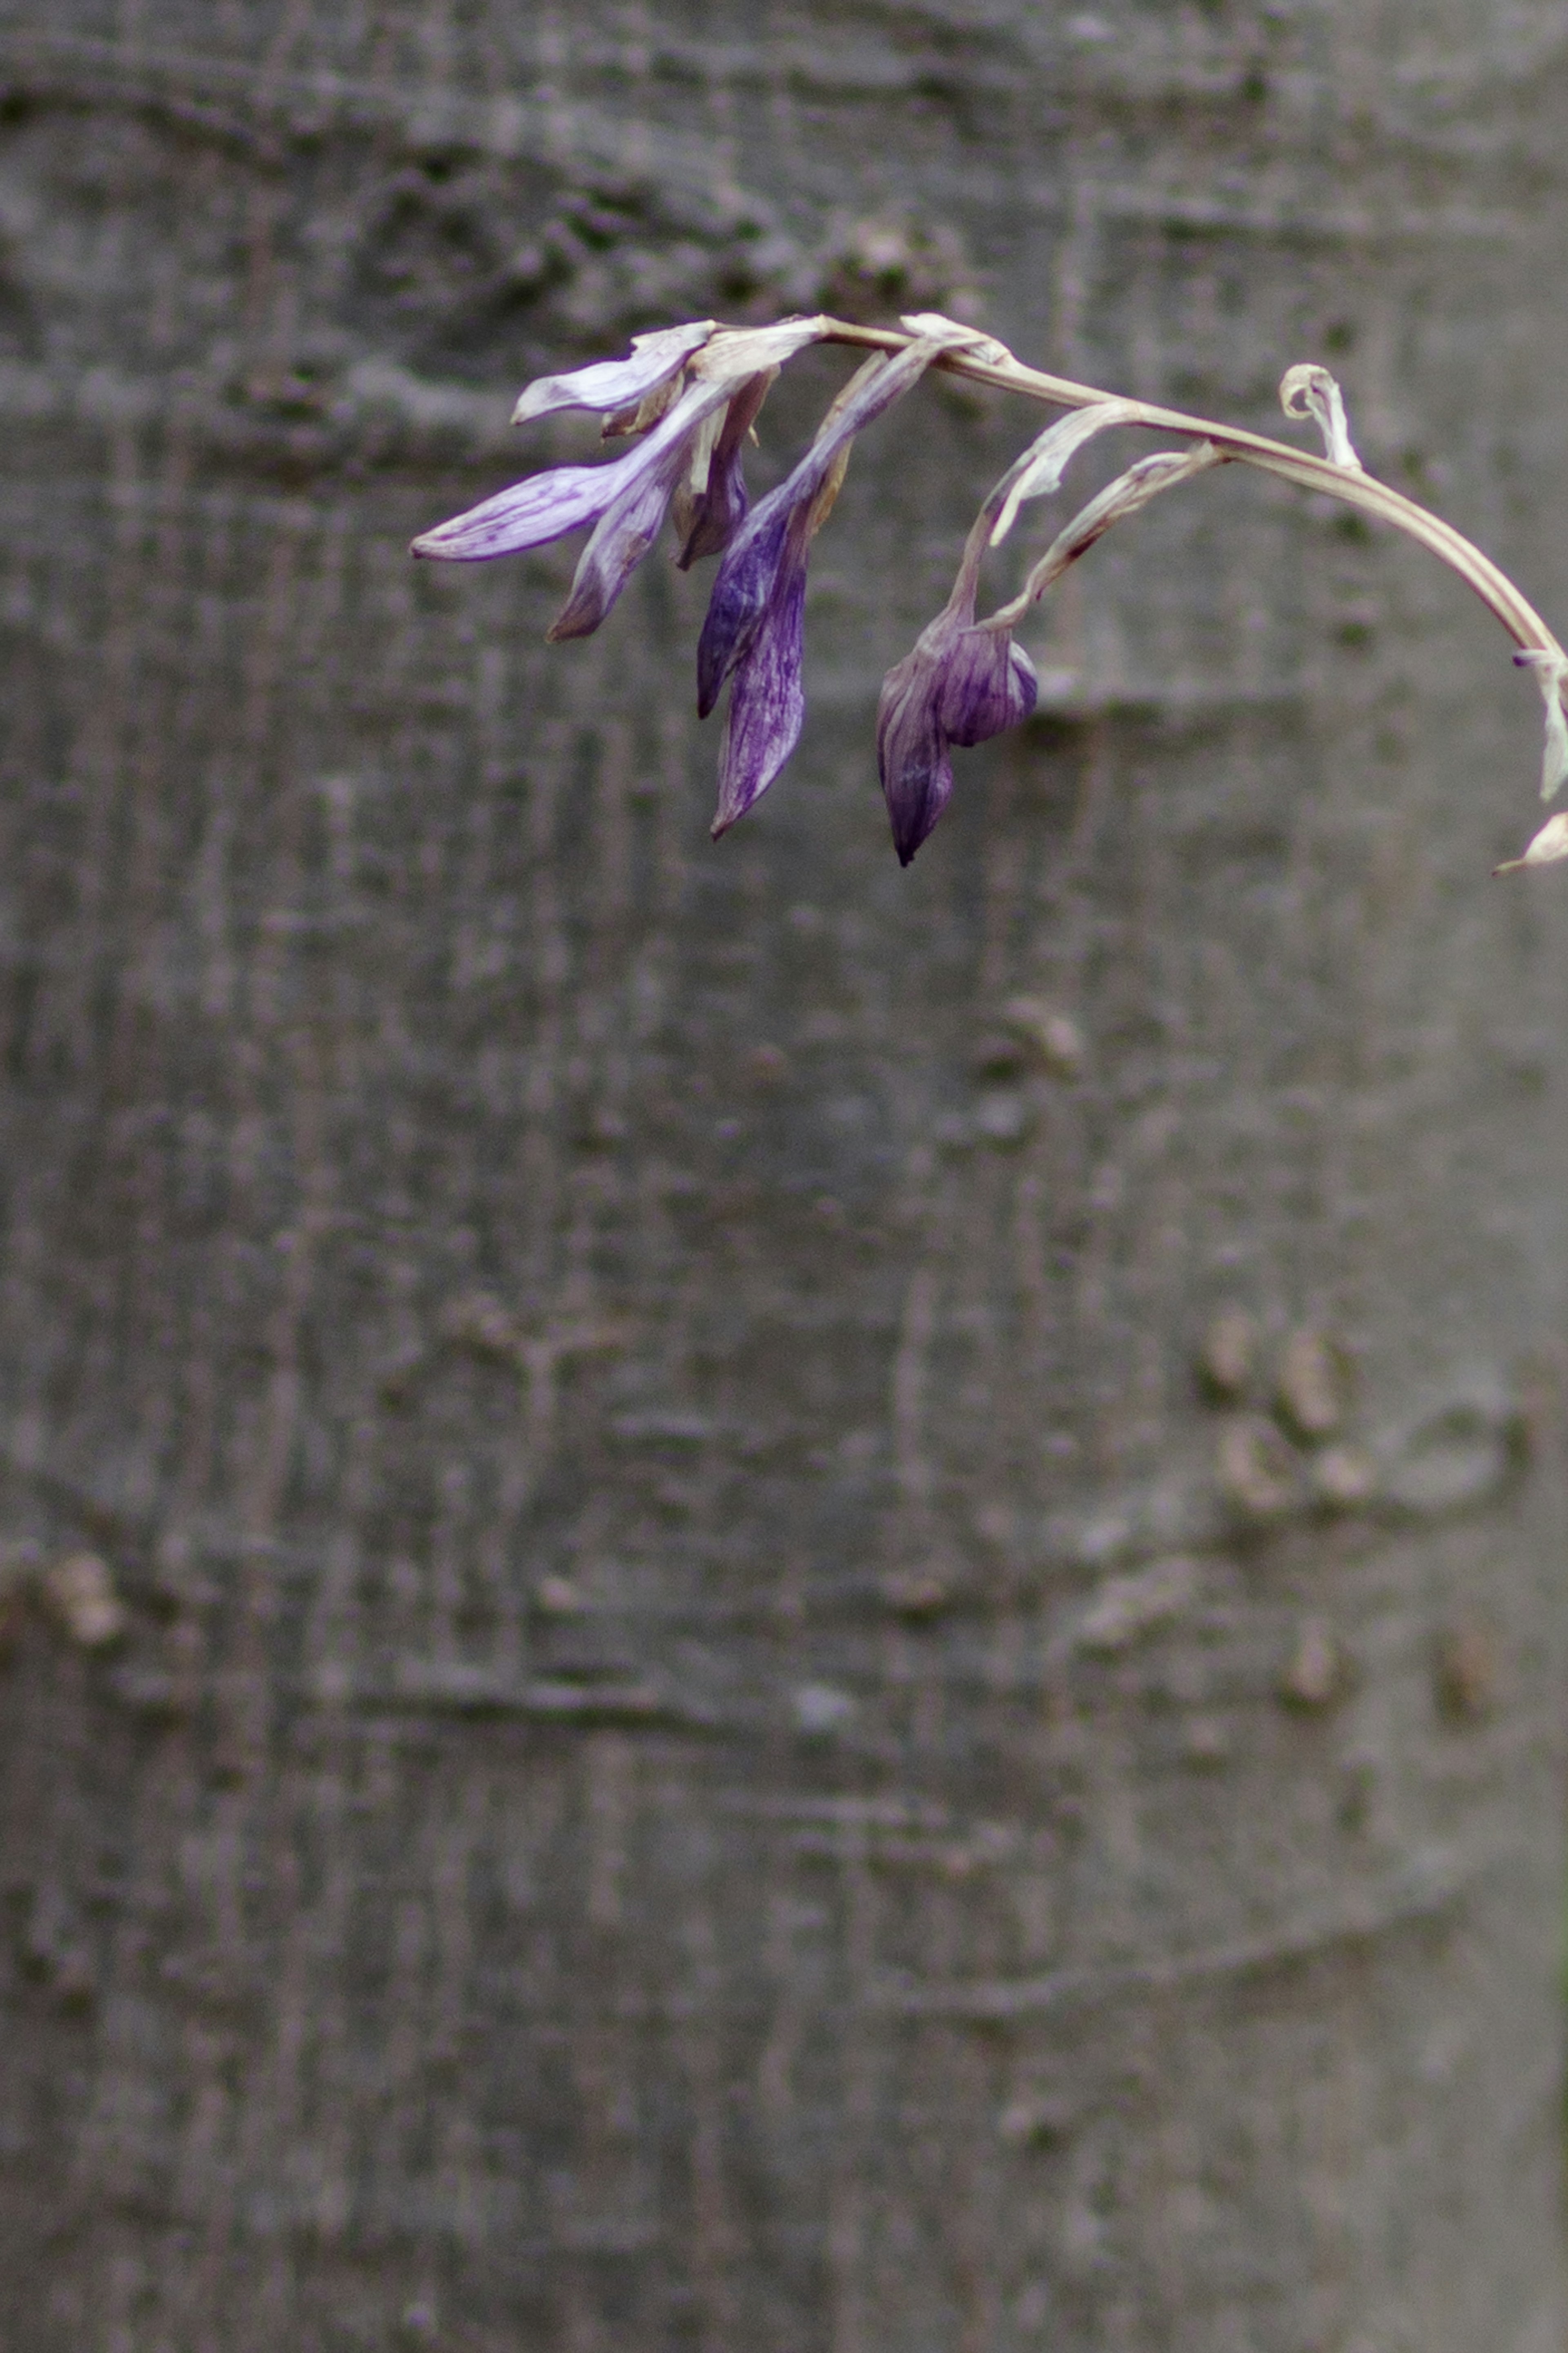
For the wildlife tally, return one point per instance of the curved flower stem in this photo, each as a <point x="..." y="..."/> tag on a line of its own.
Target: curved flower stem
<point x="1350" y="484"/>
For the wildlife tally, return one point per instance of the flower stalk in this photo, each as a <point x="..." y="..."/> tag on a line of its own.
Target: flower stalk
<point x="687" y="396"/>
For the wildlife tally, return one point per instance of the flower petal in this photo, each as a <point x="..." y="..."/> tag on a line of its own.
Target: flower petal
<point x="959" y="685"/>
<point x="912" y="755"/>
<point x="609" y="386"/>
<point x="530" y="514"/>
<point x="988" y="684"/>
<point x="740" y="596"/>
<point x="767" y="702"/>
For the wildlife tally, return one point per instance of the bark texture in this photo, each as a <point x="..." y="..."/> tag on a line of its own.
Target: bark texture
<point x="718" y="1743"/>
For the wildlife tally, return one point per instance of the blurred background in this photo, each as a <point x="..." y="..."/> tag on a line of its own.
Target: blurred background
<point x="751" y="1601"/>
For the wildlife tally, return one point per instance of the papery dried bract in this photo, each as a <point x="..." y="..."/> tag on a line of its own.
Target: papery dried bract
<point x="736" y="353"/>
<point x="1309" y="390"/>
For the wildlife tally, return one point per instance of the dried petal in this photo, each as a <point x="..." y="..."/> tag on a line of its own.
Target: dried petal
<point x="1548" y="845"/>
<point x="1551" y="667"/>
<point x="746" y="579"/>
<point x="1039" y="470"/>
<point x="988" y="685"/>
<point x="528" y="515"/>
<point x="610" y="386"/>
<point x="959" y="684"/>
<point x="755" y="620"/>
<point x="1124" y="497"/>
<point x="1309" y="390"/>
<point x="622" y="537"/>
<point x="767" y="703"/>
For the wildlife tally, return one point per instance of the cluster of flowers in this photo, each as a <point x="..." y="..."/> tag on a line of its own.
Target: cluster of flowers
<point x="687" y="396"/>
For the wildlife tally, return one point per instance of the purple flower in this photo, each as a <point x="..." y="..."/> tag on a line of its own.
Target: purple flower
<point x="963" y="684"/>
<point x="754" y="626"/>
<point x="959" y="685"/>
<point x="625" y="501"/>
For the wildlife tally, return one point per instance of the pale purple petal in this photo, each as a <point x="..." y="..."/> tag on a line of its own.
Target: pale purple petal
<point x="767" y="702"/>
<point x="622" y="537"/>
<point x="630" y="522"/>
<point x="530" y="514"/>
<point x="608" y="385"/>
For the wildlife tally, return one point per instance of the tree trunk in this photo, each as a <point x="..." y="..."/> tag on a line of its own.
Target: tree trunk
<point x="722" y="1737"/>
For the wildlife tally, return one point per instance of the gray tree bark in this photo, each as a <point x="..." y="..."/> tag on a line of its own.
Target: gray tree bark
<point x="719" y="1741"/>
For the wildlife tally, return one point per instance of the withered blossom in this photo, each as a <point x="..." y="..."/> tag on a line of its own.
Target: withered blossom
<point x="754" y="628"/>
<point x="676" y="393"/>
<point x="689" y="395"/>
<point x="962" y="684"/>
<point x="959" y="685"/>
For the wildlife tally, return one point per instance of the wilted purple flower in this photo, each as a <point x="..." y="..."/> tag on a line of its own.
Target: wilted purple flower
<point x="964" y="682"/>
<point x="625" y="501"/>
<point x="755" y="622"/>
<point x="959" y="685"/>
